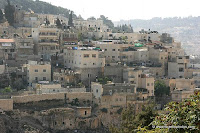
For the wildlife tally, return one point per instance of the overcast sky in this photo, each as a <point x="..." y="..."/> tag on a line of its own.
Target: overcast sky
<point x="131" y="9"/>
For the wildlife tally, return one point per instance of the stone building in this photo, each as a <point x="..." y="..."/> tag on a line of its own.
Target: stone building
<point x="46" y="40"/>
<point x="178" y="68"/>
<point x="112" y="49"/>
<point x="37" y="71"/>
<point x="88" y="62"/>
<point x="7" y="49"/>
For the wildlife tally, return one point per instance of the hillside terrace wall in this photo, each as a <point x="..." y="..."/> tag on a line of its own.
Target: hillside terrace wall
<point x="6" y="104"/>
<point x="56" y="96"/>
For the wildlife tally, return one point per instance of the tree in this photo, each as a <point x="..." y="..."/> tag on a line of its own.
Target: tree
<point x="70" y="21"/>
<point x="58" y="23"/>
<point x="161" y="89"/>
<point x="7" y="90"/>
<point x="4" y="81"/>
<point x="107" y="22"/>
<point x="104" y="80"/>
<point x="185" y="113"/>
<point x="75" y="102"/>
<point x="128" y="124"/>
<point x="9" y="13"/>
<point x="146" y="116"/>
<point x="47" y="22"/>
<point x="19" y="84"/>
<point x="1" y="16"/>
<point x="91" y="18"/>
<point x="131" y="121"/>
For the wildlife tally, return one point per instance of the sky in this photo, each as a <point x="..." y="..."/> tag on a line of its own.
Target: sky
<point x="131" y="9"/>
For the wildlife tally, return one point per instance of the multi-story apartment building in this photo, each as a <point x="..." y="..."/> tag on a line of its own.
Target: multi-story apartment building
<point x="25" y="46"/>
<point x="178" y="68"/>
<point x="139" y="79"/>
<point x="37" y="71"/>
<point x="132" y="37"/>
<point x="52" y="18"/>
<point x="68" y="39"/>
<point x="93" y="25"/>
<point x="131" y="54"/>
<point x="180" y="84"/>
<point x="46" y="41"/>
<point x="7" y="49"/>
<point x="89" y="62"/>
<point x="82" y="57"/>
<point x="112" y="49"/>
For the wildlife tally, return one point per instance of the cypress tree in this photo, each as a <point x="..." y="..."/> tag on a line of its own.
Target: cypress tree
<point x="70" y="22"/>
<point x="1" y="16"/>
<point x="58" y="23"/>
<point x="9" y="13"/>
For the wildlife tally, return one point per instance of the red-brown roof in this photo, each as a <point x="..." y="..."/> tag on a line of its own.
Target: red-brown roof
<point x="7" y="40"/>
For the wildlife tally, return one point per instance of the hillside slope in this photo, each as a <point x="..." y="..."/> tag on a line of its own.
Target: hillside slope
<point x="37" y="6"/>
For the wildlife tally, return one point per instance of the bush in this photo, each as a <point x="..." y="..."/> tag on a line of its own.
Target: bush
<point x="119" y="111"/>
<point x="104" y="110"/>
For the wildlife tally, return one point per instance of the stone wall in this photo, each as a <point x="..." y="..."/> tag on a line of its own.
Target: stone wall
<point x="36" y="98"/>
<point x="6" y="104"/>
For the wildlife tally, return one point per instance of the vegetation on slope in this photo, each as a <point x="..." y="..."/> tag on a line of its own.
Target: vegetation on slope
<point x="37" y="6"/>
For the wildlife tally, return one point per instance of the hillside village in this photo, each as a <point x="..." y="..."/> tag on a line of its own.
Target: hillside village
<point x="70" y="73"/>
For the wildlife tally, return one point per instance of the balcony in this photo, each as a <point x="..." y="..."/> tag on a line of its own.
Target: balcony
<point x="26" y="47"/>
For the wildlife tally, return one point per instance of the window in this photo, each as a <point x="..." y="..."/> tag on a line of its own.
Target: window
<point x="85" y="112"/>
<point x="94" y="63"/>
<point x="94" y="55"/>
<point x="118" y="49"/>
<point x="156" y="73"/>
<point x="105" y="49"/>
<point x="44" y="78"/>
<point x="181" y="70"/>
<point x="44" y="70"/>
<point x="86" y="55"/>
<point x="36" y="70"/>
<point x="12" y="50"/>
<point x="36" y="78"/>
<point x="113" y="57"/>
<point x="113" y="49"/>
<point x="151" y="84"/>
<point x="97" y="90"/>
<point x="147" y="84"/>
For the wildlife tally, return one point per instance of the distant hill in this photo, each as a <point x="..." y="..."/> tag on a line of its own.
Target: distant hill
<point x="185" y="30"/>
<point x="37" y="6"/>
